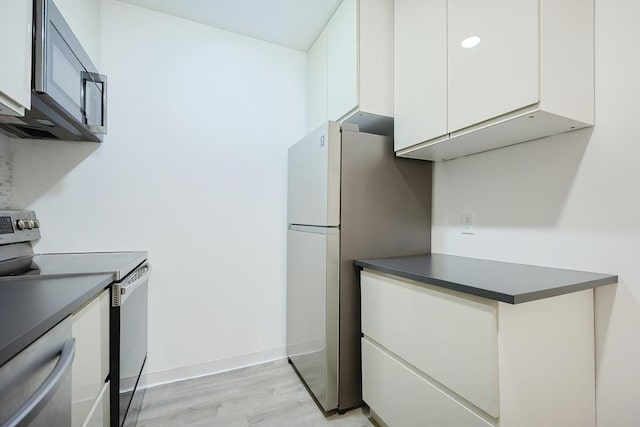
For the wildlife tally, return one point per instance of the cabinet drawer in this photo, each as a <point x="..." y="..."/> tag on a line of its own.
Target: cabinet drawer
<point x="90" y="328"/>
<point x="99" y="415"/>
<point x="451" y="338"/>
<point x="400" y="397"/>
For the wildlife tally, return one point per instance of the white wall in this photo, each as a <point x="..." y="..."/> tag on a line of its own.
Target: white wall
<point x="569" y="201"/>
<point x="194" y="171"/>
<point x="6" y="173"/>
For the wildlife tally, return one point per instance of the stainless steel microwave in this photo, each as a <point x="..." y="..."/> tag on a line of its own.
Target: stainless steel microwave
<point x="68" y="96"/>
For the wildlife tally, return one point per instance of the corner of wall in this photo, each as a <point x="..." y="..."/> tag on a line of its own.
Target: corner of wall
<point x="6" y="173"/>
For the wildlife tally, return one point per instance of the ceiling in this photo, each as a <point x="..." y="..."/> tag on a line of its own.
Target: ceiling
<point x="291" y="23"/>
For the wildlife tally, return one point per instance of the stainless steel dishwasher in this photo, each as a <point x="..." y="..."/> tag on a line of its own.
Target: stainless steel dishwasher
<point x="35" y="385"/>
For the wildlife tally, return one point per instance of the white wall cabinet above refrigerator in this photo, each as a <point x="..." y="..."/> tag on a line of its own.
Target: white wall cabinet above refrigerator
<point x="500" y="72"/>
<point x="350" y="68"/>
<point x="15" y="51"/>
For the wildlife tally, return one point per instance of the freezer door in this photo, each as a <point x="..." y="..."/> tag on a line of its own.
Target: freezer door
<point x="312" y="309"/>
<point x="314" y="178"/>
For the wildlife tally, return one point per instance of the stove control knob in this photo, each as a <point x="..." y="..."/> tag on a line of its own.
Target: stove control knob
<point x="29" y="223"/>
<point x="20" y="224"/>
<point x="36" y="223"/>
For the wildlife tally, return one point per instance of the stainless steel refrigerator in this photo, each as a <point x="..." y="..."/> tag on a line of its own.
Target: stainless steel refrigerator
<point x="349" y="197"/>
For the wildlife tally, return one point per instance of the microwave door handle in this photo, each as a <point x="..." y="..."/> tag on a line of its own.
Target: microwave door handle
<point x="101" y="80"/>
<point x="129" y="288"/>
<point x="41" y="396"/>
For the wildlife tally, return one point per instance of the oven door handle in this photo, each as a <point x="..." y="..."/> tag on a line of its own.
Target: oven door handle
<point x="42" y="395"/>
<point x="127" y="288"/>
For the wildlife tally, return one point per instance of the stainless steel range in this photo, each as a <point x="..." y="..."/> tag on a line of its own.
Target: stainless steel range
<point x="128" y="315"/>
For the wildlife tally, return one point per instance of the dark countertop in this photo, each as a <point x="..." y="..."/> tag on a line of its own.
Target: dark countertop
<point x="118" y="264"/>
<point x="499" y="281"/>
<point x="30" y="307"/>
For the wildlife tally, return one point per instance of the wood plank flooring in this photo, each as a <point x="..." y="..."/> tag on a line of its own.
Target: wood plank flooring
<point x="267" y="395"/>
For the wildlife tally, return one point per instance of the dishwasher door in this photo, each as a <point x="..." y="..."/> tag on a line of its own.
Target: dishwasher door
<point x="35" y="385"/>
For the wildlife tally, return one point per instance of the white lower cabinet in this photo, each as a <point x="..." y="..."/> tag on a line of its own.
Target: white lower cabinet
<point x="90" y="328"/>
<point x="99" y="414"/>
<point x="435" y="357"/>
<point x="460" y="350"/>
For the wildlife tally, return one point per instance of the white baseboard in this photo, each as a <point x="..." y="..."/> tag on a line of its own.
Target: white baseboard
<point x="214" y="367"/>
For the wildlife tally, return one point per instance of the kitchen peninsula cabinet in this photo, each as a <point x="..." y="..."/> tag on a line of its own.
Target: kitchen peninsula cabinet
<point x="499" y="72"/>
<point x="15" y="50"/>
<point x="465" y="342"/>
<point x="350" y="68"/>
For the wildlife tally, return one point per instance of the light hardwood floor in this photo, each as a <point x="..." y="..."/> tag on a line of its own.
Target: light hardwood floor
<point x="270" y="394"/>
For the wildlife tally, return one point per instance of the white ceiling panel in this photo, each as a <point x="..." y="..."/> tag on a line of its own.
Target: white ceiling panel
<point x="291" y="23"/>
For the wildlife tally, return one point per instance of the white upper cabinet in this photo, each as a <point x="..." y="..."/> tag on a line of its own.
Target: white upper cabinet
<point x="342" y="60"/>
<point x="354" y="81"/>
<point x="15" y="51"/>
<point x="515" y="70"/>
<point x="500" y="73"/>
<point x="317" y="82"/>
<point x="420" y="79"/>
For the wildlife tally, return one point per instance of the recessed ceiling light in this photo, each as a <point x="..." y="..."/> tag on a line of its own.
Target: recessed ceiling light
<point x="470" y="42"/>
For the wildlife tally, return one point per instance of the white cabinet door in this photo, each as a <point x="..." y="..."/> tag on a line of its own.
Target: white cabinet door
<point x="499" y="74"/>
<point x="317" y="83"/>
<point x="420" y="80"/>
<point x="342" y="60"/>
<point x="355" y="50"/>
<point x="15" y="50"/>
<point x="90" y="328"/>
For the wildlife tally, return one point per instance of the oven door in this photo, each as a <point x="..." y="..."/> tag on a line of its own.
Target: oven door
<point x="35" y="385"/>
<point x="129" y="345"/>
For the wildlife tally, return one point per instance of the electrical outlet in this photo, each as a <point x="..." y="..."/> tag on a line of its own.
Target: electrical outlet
<point x="466" y="220"/>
